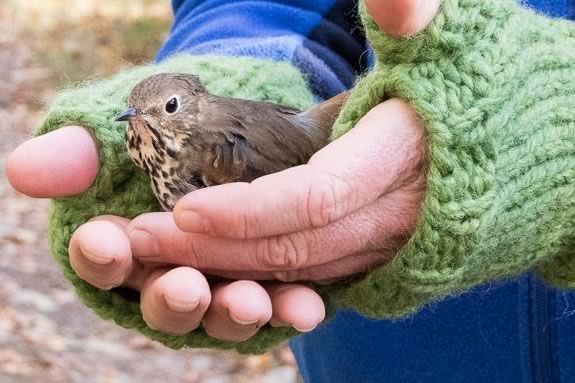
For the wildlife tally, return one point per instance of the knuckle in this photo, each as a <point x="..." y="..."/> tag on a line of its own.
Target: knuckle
<point x="284" y="252"/>
<point x="326" y="200"/>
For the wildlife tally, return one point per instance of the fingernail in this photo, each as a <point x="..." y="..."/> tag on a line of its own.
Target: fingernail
<point x="97" y="258"/>
<point x="143" y="243"/>
<point x="309" y="329"/>
<point x="180" y="306"/>
<point x="194" y="222"/>
<point x="243" y="322"/>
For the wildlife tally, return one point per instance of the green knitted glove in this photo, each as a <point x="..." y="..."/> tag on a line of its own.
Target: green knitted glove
<point x="122" y="189"/>
<point x="494" y="86"/>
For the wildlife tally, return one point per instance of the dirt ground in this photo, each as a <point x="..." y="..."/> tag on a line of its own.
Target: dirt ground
<point x="45" y="334"/>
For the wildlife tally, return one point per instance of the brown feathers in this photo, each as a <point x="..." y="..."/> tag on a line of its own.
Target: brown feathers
<point x="186" y="138"/>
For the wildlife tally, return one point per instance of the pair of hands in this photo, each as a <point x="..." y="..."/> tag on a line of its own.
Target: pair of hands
<point x="345" y="212"/>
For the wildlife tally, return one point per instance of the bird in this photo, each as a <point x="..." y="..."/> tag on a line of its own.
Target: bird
<point x="186" y="138"/>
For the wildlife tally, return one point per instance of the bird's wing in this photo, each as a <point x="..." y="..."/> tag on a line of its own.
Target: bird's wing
<point x="247" y="140"/>
<point x="223" y="158"/>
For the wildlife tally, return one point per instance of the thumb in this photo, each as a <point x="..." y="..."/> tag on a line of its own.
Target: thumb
<point x="351" y="172"/>
<point x="402" y="18"/>
<point x="57" y="164"/>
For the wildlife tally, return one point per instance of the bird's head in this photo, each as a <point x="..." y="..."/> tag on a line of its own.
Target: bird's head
<point x="161" y="109"/>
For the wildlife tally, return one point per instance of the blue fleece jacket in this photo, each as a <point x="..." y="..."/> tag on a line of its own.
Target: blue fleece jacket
<point x="322" y="38"/>
<point x="514" y="331"/>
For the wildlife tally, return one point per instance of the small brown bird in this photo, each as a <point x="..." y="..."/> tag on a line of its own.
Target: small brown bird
<point x="186" y="138"/>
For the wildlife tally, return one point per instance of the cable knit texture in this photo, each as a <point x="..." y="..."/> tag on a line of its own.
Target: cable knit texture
<point x="494" y="85"/>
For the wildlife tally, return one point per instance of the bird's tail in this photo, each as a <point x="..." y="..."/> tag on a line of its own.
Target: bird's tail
<point x="318" y="120"/>
<point x="324" y="114"/>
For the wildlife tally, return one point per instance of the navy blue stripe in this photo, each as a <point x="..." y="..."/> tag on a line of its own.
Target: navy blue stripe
<point x="554" y="8"/>
<point x="341" y="32"/>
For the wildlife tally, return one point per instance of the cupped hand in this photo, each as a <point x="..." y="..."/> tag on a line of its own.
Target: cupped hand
<point x="173" y="299"/>
<point x="345" y="212"/>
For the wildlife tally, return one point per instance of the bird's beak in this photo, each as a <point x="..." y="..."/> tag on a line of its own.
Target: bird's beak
<point x="126" y="115"/>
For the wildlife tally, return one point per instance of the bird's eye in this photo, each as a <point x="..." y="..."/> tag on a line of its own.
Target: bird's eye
<point x="172" y="105"/>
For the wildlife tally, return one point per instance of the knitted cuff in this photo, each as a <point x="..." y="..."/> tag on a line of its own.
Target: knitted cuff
<point x="122" y="189"/>
<point x="494" y="85"/>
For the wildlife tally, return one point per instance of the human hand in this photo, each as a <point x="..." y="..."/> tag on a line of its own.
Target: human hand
<point x="173" y="300"/>
<point x="40" y="168"/>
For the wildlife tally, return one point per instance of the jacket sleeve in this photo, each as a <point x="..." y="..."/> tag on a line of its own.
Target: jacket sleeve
<point x="319" y="37"/>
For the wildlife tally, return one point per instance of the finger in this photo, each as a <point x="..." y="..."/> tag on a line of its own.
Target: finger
<point x="395" y="215"/>
<point x="155" y="238"/>
<point x="100" y="252"/>
<point x="344" y="176"/>
<point x="297" y="306"/>
<point x="175" y="301"/>
<point x="237" y="311"/>
<point x="402" y="18"/>
<point x="57" y="164"/>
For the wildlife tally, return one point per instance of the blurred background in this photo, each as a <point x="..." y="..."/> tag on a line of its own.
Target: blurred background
<point x="45" y="335"/>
